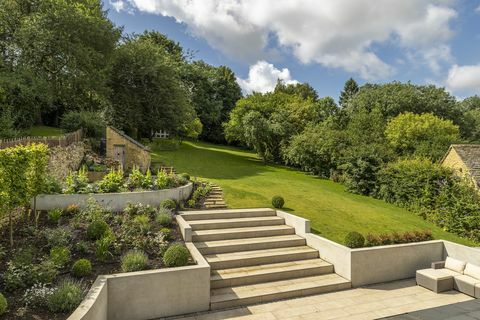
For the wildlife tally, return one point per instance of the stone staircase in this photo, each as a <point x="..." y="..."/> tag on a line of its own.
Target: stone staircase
<point x="254" y="257"/>
<point x="215" y="200"/>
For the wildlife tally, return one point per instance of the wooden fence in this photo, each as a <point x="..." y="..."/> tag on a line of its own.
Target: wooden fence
<point x="60" y="141"/>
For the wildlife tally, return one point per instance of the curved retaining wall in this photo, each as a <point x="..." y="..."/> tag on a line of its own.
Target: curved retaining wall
<point x="113" y="201"/>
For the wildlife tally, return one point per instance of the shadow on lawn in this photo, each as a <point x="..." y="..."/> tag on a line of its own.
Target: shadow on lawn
<point x="212" y="161"/>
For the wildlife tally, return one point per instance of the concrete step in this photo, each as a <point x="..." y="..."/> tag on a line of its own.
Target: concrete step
<point x="226" y="214"/>
<point x="235" y="223"/>
<point x="214" y="197"/>
<point x="265" y="292"/>
<point x="240" y="233"/>
<point x="269" y="272"/>
<point x="215" y="206"/>
<point x="207" y="202"/>
<point x="259" y="257"/>
<point x="249" y="244"/>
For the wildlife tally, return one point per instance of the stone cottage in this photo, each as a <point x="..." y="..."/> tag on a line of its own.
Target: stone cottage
<point x="465" y="160"/>
<point x="127" y="150"/>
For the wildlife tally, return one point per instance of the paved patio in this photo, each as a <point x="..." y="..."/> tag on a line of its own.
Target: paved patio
<point x="403" y="299"/>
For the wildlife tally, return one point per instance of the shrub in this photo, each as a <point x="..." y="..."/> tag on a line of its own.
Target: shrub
<point x="168" y="204"/>
<point x="55" y="215"/>
<point x="92" y="123"/>
<point x="385" y="239"/>
<point x="134" y="260"/>
<point x="45" y="272"/>
<point x="278" y="202"/>
<point x="176" y="256"/>
<point x="111" y="182"/>
<point x="167" y="233"/>
<point x="164" y="219"/>
<point x="142" y="222"/>
<point x="165" y="180"/>
<point x="60" y="256"/>
<point x="354" y="240"/>
<point x="58" y="237"/>
<point x="37" y="296"/>
<point x="83" y="247"/>
<point x="96" y="229"/>
<point x="52" y="186"/>
<point x="66" y="297"/>
<point x="140" y="209"/>
<point x="17" y="276"/>
<point x="103" y="245"/>
<point x="81" y="268"/>
<point x="77" y="182"/>
<point x="3" y="304"/>
<point x="24" y="256"/>
<point x="185" y="176"/>
<point x="135" y="179"/>
<point x="372" y="240"/>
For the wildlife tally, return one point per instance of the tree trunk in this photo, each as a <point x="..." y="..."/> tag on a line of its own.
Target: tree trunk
<point x="10" y="220"/>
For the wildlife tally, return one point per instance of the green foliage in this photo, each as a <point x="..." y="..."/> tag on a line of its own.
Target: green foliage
<point x="354" y="240"/>
<point x="82" y="268"/>
<point x="77" y="182"/>
<point x="435" y="193"/>
<point x="83" y="247"/>
<point x="422" y="135"/>
<point x="185" y="176"/>
<point x="66" y="297"/>
<point x="45" y="272"/>
<point x="303" y="90"/>
<point x="36" y="174"/>
<point x="167" y="233"/>
<point x="164" y="180"/>
<point x="52" y="186"/>
<point x="111" y="182"/>
<point x="397" y="238"/>
<point x="7" y="121"/>
<point x="78" y="38"/>
<point x="91" y="122"/>
<point x="96" y="229"/>
<point x="176" y="256"/>
<point x="3" y="304"/>
<point x="104" y="245"/>
<point x="60" y="256"/>
<point x="142" y="223"/>
<point x="147" y="92"/>
<point x="164" y="219"/>
<point x="136" y="179"/>
<point x="349" y="91"/>
<point x="278" y="202"/>
<point x="17" y="276"/>
<point x="55" y="215"/>
<point x="134" y="209"/>
<point x="168" y="204"/>
<point x="58" y="237"/>
<point x="134" y="260"/>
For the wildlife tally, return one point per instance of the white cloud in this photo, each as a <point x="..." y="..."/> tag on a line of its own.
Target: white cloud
<point x="121" y="5"/>
<point x="477" y="9"/>
<point x="464" y="79"/>
<point x="263" y="76"/>
<point x="333" y="33"/>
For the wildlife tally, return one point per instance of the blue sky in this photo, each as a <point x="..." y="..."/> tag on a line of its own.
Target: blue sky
<point x="322" y="42"/>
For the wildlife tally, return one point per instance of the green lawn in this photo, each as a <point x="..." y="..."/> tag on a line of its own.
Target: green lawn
<point x="333" y="212"/>
<point x="44" y="131"/>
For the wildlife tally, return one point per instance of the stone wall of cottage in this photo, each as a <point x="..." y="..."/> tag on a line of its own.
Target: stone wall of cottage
<point x="65" y="159"/>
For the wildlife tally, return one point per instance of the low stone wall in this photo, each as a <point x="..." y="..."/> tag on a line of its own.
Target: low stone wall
<point x="372" y="265"/>
<point x="62" y="160"/>
<point x="149" y="294"/>
<point x="114" y="201"/>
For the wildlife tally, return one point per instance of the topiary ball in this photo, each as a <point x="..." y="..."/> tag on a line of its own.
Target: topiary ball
<point x="169" y="204"/>
<point x="278" y="202"/>
<point x="96" y="229"/>
<point x="82" y="268"/>
<point x="185" y="176"/>
<point x="176" y="256"/>
<point x="354" y="240"/>
<point x="3" y="304"/>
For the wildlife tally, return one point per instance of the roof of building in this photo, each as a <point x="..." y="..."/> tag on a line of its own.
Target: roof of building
<point x="470" y="155"/>
<point x="135" y="142"/>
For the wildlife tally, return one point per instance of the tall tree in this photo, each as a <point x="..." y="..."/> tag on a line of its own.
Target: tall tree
<point x="349" y="91"/>
<point x="303" y="90"/>
<point x="148" y="94"/>
<point x="63" y="46"/>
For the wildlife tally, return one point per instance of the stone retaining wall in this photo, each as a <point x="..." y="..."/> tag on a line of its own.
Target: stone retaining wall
<point x="114" y="201"/>
<point x="62" y="160"/>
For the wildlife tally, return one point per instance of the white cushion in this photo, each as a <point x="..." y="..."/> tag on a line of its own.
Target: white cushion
<point x="472" y="271"/>
<point x="455" y="265"/>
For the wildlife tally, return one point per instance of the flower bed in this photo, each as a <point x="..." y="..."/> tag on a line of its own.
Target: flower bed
<point x="52" y="266"/>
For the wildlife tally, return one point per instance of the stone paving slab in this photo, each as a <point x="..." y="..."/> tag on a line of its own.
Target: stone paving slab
<point x="398" y="300"/>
